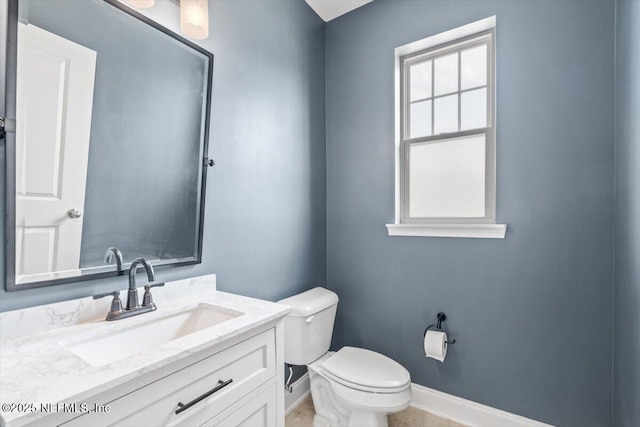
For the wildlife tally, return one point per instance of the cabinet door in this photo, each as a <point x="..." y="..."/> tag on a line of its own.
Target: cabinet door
<point x="257" y="412"/>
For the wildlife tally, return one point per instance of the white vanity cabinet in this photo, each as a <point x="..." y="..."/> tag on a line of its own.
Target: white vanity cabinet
<point x="223" y="366"/>
<point x="241" y="385"/>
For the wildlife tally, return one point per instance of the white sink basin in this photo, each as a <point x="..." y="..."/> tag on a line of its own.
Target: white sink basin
<point x="119" y="344"/>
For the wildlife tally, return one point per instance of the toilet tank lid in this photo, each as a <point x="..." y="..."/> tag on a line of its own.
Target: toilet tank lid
<point x="310" y="302"/>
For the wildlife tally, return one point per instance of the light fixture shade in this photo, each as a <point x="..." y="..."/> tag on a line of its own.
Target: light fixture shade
<point x="141" y="4"/>
<point x="194" y="18"/>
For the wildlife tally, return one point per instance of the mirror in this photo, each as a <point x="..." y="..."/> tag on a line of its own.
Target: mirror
<point x="112" y="115"/>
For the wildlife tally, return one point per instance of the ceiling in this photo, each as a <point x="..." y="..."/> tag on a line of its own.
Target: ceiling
<point x="330" y="9"/>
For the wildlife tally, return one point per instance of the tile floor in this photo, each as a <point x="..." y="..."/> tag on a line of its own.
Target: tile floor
<point x="302" y="416"/>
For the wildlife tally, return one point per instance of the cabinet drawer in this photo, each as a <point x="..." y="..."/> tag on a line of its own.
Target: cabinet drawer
<point x="257" y="412"/>
<point x="247" y="364"/>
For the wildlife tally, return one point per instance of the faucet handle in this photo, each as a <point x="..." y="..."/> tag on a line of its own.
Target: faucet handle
<point x="116" y="303"/>
<point x="116" y="294"/>
<point x="147" y="299"/>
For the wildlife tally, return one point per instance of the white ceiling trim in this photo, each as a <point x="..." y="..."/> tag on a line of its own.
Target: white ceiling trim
<point x="331" y="9"/>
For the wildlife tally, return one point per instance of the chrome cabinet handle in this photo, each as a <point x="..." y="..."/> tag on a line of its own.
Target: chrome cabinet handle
<point x="220" y="386"/>
<point x="74" y="213"/>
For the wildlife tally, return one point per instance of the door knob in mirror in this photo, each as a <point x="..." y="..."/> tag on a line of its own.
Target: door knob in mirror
<point x="74" y="213"/>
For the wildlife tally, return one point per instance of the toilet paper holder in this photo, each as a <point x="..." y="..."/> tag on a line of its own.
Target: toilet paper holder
<point x="441" y="318"/>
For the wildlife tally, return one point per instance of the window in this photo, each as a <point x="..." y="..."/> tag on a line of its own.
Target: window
<point x="445" y="143"/>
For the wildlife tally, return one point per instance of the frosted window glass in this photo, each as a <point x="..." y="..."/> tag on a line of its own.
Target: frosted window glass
<point x="420" y="119"/>
<point x="447" y="178"/>
<point x="446" y="114"/>
<point x="446" y="74"/>
<point x="420" y="81"/>
<point x="474" y="67"/>
<point x="474" y="109"/>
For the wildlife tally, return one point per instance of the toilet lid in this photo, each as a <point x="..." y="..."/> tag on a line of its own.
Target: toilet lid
<point x="367" y="368"/>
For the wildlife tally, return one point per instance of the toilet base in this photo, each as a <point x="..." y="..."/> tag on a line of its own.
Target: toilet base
<point x="369" y="419"/>
<point x="357" y="419"/>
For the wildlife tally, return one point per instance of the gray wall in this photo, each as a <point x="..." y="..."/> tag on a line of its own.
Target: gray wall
<point x="626" y="376"/>
<point x="156" y="145"/>
<point x="265" y="212"/>
<point x="532" y="314"/>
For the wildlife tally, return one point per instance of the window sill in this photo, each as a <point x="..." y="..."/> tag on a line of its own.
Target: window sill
<point x="477" y="231"/>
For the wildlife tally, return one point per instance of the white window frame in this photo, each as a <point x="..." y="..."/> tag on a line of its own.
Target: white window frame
<point x="477" y="33"/>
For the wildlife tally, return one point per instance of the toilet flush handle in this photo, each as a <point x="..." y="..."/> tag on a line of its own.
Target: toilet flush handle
<point x="309" y="319"/>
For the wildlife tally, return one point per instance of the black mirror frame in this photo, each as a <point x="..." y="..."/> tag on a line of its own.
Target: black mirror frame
<point x="8" y="79"/>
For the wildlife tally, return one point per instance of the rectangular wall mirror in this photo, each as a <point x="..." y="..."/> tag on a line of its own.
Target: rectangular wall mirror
<point x="111" y="128"/>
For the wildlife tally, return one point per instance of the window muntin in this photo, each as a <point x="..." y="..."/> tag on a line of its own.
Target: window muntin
<point x="447" y="101"/>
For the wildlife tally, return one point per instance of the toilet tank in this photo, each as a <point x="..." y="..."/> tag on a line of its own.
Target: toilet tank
<point x="309" y="325"/>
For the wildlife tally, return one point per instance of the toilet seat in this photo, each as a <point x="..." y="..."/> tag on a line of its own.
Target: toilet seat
<point x="367" y="371"/>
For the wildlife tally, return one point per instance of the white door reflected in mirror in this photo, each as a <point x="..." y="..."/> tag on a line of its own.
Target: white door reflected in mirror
<point x="54" y="107"/>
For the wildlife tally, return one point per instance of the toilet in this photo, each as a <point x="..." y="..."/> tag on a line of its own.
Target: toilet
<point x="352" y="387"/>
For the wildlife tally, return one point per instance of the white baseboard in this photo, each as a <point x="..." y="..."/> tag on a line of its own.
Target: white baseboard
<point x="465" y="411"/>
<point x="444" y="405"/>
<point x="301" y="389"/>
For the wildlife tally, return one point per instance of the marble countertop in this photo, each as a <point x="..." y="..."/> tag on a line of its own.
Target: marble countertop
<point x="39" y="368"/>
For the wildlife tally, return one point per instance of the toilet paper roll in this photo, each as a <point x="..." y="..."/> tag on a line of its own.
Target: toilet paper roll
<point x="435" y="345"/>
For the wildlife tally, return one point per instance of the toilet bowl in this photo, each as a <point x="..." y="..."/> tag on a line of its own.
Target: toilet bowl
<point x="352" y="387"/>
<point x="356" y="387"/>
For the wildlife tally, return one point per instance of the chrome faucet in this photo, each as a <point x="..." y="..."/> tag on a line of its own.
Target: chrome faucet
<point x="133" y="306"/>
<point x="108" y="257"/>
<point x="132" y="295"/>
